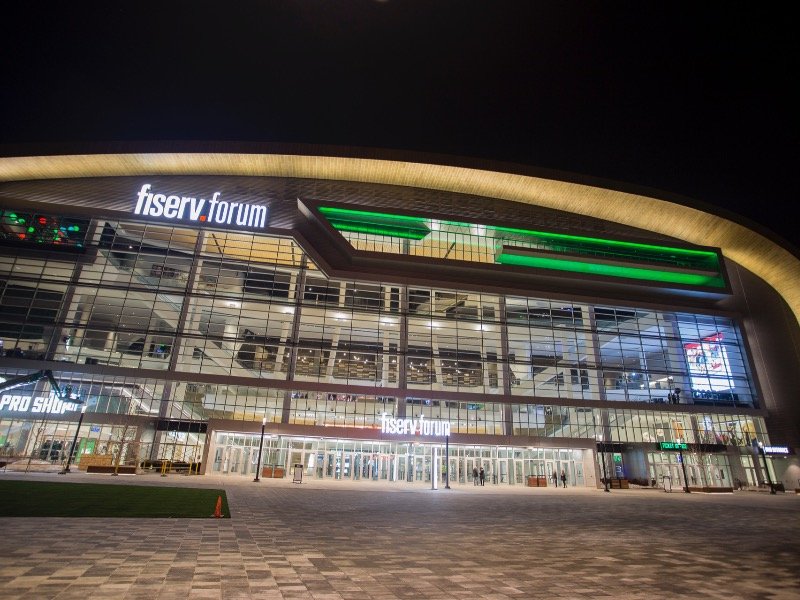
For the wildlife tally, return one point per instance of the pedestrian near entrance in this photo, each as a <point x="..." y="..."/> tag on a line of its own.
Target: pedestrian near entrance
<point x="482" y="476"/>
<point x="563" y="478"/>
<point x="555" y="479"/>
<point x="474" y="475"/>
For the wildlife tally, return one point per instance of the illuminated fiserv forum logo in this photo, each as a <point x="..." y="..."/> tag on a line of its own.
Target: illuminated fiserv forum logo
<point x="213" y="211"/>
<point x="419" y="426"/>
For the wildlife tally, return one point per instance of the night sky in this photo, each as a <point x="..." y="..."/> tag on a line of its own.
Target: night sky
<point x="695" y="99"/>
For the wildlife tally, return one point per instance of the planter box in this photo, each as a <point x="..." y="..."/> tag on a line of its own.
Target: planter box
<point x="122" y="469"/>
<point x="273" y="472"/>
<point x="87" y="460"/>
<point x="537" y="481"/>
<point x="619" y="484"/>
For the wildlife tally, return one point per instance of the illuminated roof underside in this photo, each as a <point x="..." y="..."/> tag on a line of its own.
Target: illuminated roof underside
<point x="542" y="250"/>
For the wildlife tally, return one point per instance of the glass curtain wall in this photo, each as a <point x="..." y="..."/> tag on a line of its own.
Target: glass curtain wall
<point x="171" y="299"/>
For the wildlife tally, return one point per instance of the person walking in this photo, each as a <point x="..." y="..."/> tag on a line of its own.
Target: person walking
<point x="563" y="478"/>
<point x="482" y="476"/>
<point x="555" y="478"/>
<point x="474" y="475"/>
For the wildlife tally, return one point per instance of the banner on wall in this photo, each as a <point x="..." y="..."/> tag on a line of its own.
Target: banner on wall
<point x="709" y="368"/>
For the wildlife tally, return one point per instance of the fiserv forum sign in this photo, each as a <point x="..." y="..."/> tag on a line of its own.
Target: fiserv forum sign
<point x="414" y="426"/>
<point x="192" y="209"/>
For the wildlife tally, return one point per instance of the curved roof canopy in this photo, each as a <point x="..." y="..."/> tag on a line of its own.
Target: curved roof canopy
<point x="754" y="251"/>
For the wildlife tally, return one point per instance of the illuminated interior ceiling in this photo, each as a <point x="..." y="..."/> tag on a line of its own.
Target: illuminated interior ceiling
<point x="763" y="257"/>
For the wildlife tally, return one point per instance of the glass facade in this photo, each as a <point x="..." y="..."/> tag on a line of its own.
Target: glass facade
<point x="186" y="325"/>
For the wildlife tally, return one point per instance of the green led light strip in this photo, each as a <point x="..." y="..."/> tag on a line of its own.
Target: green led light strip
<point x="607" y="270"/>
<point x="359" y="221"/>
<point x="621" y="244"/>
<point x="577" y="244"/>
<point x="416" y="228"/>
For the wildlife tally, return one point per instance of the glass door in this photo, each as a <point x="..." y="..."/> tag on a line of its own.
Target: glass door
<point x="551" y="473"/>
<point x="579" y="478"/>
<point x="347" y="464"/>
<point x="320" y="464"/>
<point x="503" y="464"/>
<point x="519" y="472"/>
<point x="295" y="458"/>
<point x="235" y="458"/>
<point x="419" y="468"/>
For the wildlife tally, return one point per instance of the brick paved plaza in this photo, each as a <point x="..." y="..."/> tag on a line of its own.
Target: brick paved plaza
<point x="330" y="541"/>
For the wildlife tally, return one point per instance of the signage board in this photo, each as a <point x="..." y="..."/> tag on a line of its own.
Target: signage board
<point x="673" y="446"/>
<point x="419" y="426"/>
<point x="177" y="207"/>
<point x="35" y="404"/>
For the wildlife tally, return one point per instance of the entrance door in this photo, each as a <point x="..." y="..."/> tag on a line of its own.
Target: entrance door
<point x="235" y="458"/>
<point x="332" y="465"/>
<point x="519" y="468"/>
<point x="472" y="464"/>
<point x="320" y="466"/>
<point x="347" y="465"/>
<point x="295" y="458"/>
<point x="247" y="466"/>
<point x="422" y="468"/>
<point x="503" y="464"/>
<point x="579" y="479"/>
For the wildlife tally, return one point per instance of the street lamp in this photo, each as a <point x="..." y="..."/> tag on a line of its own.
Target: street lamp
<point x="766" y="468"/>
<point x="683" y="467"/>
<point x="260" y="448"/>
<point x="603" y="460"/>
<point x="65" y="470"/>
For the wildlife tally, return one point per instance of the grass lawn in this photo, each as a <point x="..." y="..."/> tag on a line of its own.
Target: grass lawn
<point x="44" y="499"/>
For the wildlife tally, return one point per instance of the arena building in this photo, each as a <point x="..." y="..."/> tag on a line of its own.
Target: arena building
<point x="345" y="315"/>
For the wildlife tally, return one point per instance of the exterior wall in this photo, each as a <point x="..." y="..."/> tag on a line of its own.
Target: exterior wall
<point x="774" y="340"/>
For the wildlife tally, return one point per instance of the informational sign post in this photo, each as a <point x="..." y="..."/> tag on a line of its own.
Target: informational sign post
<point x="297" y="473"/>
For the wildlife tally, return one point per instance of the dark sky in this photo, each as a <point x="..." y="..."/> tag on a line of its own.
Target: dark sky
<point x="695" y="98"/>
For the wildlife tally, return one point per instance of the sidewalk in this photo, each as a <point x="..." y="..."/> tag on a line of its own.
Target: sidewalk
<point x="334" y="540"/>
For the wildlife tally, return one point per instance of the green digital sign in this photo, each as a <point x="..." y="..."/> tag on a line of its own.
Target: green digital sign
<point x="673" y="446"/>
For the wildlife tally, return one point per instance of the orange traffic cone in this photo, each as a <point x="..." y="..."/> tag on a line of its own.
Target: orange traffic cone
<point x="218" y="510"/>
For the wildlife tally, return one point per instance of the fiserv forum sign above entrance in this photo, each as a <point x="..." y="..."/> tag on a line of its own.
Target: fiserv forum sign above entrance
<point x="418" y="426"/>
<point x="192" y="209"/>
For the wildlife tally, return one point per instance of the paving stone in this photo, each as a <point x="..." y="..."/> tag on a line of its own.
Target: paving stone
<point x="359" y="541"/>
